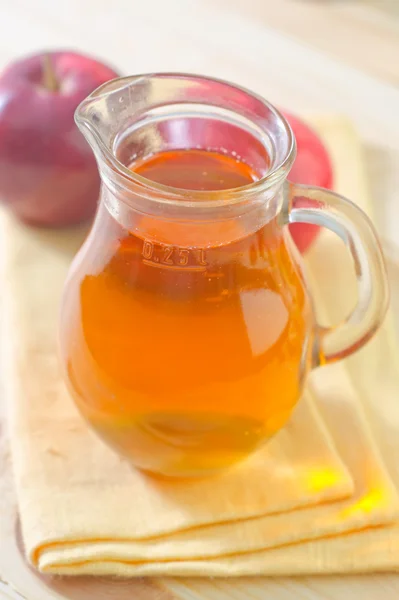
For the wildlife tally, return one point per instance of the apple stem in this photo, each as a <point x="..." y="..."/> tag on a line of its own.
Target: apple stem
<point x="49" y="77"/>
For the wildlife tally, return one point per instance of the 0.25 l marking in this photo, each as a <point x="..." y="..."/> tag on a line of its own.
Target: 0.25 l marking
<point x="173" y="257"/>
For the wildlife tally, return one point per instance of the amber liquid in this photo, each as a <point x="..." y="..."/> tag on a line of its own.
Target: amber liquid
<point x="187" y="358"/>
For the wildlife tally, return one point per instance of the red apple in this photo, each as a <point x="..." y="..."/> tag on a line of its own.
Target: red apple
<point x="312" y="166"/>
<point x="48" y="174"/>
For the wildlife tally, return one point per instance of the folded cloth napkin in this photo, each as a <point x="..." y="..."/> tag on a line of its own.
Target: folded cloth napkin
<point x="85" y="510"/>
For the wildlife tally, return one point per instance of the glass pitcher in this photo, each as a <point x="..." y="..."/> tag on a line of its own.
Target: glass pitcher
<point x="187" y="328"/>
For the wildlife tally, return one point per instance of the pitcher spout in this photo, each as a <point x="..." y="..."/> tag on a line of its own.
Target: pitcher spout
<point x="105" y="113"/>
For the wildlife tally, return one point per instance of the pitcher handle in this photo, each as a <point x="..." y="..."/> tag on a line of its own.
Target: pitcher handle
<point x="351" y="224"/>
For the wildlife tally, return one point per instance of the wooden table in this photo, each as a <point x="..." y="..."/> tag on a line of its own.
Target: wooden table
<point x="324" y="55"/>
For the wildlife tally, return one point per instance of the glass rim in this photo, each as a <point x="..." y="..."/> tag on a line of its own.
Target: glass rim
<point x="165" y="194"/>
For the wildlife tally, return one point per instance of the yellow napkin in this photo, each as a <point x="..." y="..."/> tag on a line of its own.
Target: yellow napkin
<point x="84" y="510"/>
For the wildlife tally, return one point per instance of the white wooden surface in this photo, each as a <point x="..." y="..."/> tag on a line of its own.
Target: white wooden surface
<point x="303" y="55"/>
